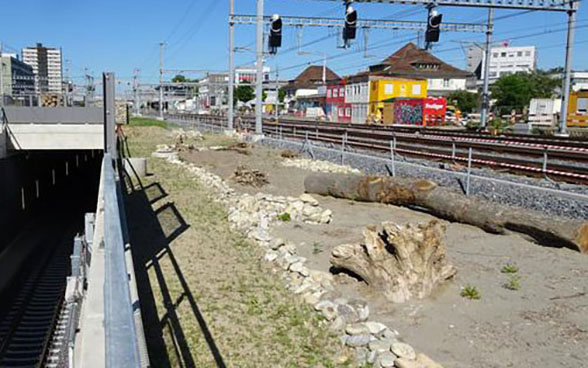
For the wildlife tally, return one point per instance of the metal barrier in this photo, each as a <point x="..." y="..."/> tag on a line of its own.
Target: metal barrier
<point x="122" y="349"/>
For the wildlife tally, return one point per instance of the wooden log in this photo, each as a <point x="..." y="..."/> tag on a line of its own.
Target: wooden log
<point x="402" y="262"/>
<point x="448" y="204"/>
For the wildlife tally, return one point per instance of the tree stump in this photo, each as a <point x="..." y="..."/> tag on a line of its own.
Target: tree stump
<point x="403" y="262"/>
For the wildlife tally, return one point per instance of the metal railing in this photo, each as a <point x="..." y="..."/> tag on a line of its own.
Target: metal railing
<point x="122" y="348"/>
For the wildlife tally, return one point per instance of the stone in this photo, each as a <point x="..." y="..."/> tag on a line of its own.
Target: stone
<point x="387" y="334"/>
<point x="422" y="361"/>
<point x="372" y="356"/>
<point x="403" y="350"/>
<point x="289" y="248"/>
<point x="270" y="256"/>
<point x="348" y="313"/>
<point x="277" y="243"/>
<point x="375" y="327"/>
<point x="312" y="298"/>
<point x="357" y="329"/>
<point x="338" y="324"/>
<point x="306" y="286"/>
<point x="357" y="340"/>
<point x="307" y="198"/>
<point x="325" y="279"/>
<point x="361" y="355"/>
<point x="327" y="308"/>
<point x="326" y="217"/>
<point x="380" y="346"/>
<point x="300" y="268"/>
<point x="386" y="360"/>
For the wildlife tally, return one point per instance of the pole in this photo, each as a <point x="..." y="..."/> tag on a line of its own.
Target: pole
<point x="563" y="126"/>
<point x="485" y="93"/>
<point x="161" y="48"/>
<point x="136" y="91"/>
<point x="230" y="112"/>
<point x="277" y="112"/>
<point x="324" y="68"/>
<point x="1" y="77"/>
<point x="259" y="79"/>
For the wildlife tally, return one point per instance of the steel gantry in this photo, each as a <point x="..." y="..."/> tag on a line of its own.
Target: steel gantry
<point x="363" y="23"/>
<point x="554" y="5"/>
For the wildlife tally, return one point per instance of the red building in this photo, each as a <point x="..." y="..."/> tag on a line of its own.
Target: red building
<point x="336" y="108"/>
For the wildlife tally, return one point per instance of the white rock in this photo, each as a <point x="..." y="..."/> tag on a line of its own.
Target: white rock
<point x="270" y="256"/>
<point x="403" y="350"/>
<point x="357" y="329"/>
<point x="386" y="360"/>
<point x="375" y="327"/>
<point x="357" y="340"/>
<point x="380" y="346"/>
<point x="300" y="268"/>
<point x="276" y="243"/>
<point x="307" y="198"/>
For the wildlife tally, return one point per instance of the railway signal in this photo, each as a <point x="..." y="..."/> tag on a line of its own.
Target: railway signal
<point x="350" y="28"/>
<point x="275" y="34"/>
<point x="433" y="26"/>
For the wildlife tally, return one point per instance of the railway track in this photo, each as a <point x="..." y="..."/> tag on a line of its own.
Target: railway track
<point x="30" y="327"/>
<point x="558" y="158"/>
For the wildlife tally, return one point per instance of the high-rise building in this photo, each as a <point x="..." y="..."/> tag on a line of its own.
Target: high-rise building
<point x="47" y="66"/>
<point x="504" y="60"/>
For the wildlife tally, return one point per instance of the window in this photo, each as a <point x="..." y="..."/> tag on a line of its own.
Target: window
<point x="527" y="53"/>
<point x="389" y="89"/>
<point x="495" y="55"/>
<point x="583" y="105"/>
<point x="503" y="54"/>
<point x="341" y="92"/>
<point x="519" y="53"/>
<point x="341" y="112"/>
<point x="329" y="93"/>
<point x="446" y="83"/>
<point x="335" y="93"/>
<point x="416" y="89"/>
<point x="493" y="74"/>
<point x="348" y="112"/>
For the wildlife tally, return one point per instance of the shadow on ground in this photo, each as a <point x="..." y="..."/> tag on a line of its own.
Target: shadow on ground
<point x="152" y="232"/>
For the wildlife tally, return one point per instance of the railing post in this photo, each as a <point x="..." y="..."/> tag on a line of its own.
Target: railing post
<point x="469" y="177"/>
<point x="544" y="168"/>
<point x="343" y="140"/>
<point x="109" y="115"/>
<point x="393" y="156"/>
<point x="453" y="149"/>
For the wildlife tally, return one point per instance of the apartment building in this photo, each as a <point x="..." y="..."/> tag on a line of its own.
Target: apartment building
<point x="47" y="67"/>
<point x="248" y="74"/>
<point x="504" y="60"/>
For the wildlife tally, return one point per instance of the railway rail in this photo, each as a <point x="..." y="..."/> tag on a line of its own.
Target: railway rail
<point x="557" y="158"/>
<point x="34" y="318"/>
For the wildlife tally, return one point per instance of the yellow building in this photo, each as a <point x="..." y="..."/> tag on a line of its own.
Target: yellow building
<point x="578" y="109"/>
<point x="387" y="88"/>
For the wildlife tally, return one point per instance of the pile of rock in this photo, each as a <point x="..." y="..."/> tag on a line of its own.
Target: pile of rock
<point x="254" y="214"/>
<point x="319" y="166"/>
<point x="184" y="136"/>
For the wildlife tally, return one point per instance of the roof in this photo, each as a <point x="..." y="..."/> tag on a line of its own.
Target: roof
<point x="413" y="62"/>
<point x="312" y="76"/>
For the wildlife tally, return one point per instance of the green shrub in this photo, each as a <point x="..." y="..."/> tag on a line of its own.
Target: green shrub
<point x="470" y="292"/>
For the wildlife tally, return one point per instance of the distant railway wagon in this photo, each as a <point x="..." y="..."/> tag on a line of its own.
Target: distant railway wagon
<point x="578" y="109"/>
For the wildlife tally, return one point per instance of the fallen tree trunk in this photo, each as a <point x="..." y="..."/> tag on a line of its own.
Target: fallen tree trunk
<point x="402" y="262"/>
<point x="453" y="206"/>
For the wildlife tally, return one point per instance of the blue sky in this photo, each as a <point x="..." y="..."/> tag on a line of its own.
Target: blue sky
<point x="122" y="35"/>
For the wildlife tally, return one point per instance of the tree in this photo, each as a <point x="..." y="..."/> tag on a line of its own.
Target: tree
<point x="179" y="79"/>
<point x="281" y="95"/>
<point x="244" y="93"/>
<point x="263" y="95"/>
<point x="515" y="91"/>
<point x="465" y="101"/>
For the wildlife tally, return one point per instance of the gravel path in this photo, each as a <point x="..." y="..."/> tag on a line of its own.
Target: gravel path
<point x="554" y="203"/>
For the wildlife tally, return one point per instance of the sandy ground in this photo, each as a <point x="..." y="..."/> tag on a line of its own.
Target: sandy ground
<point x="543" y="324"/>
